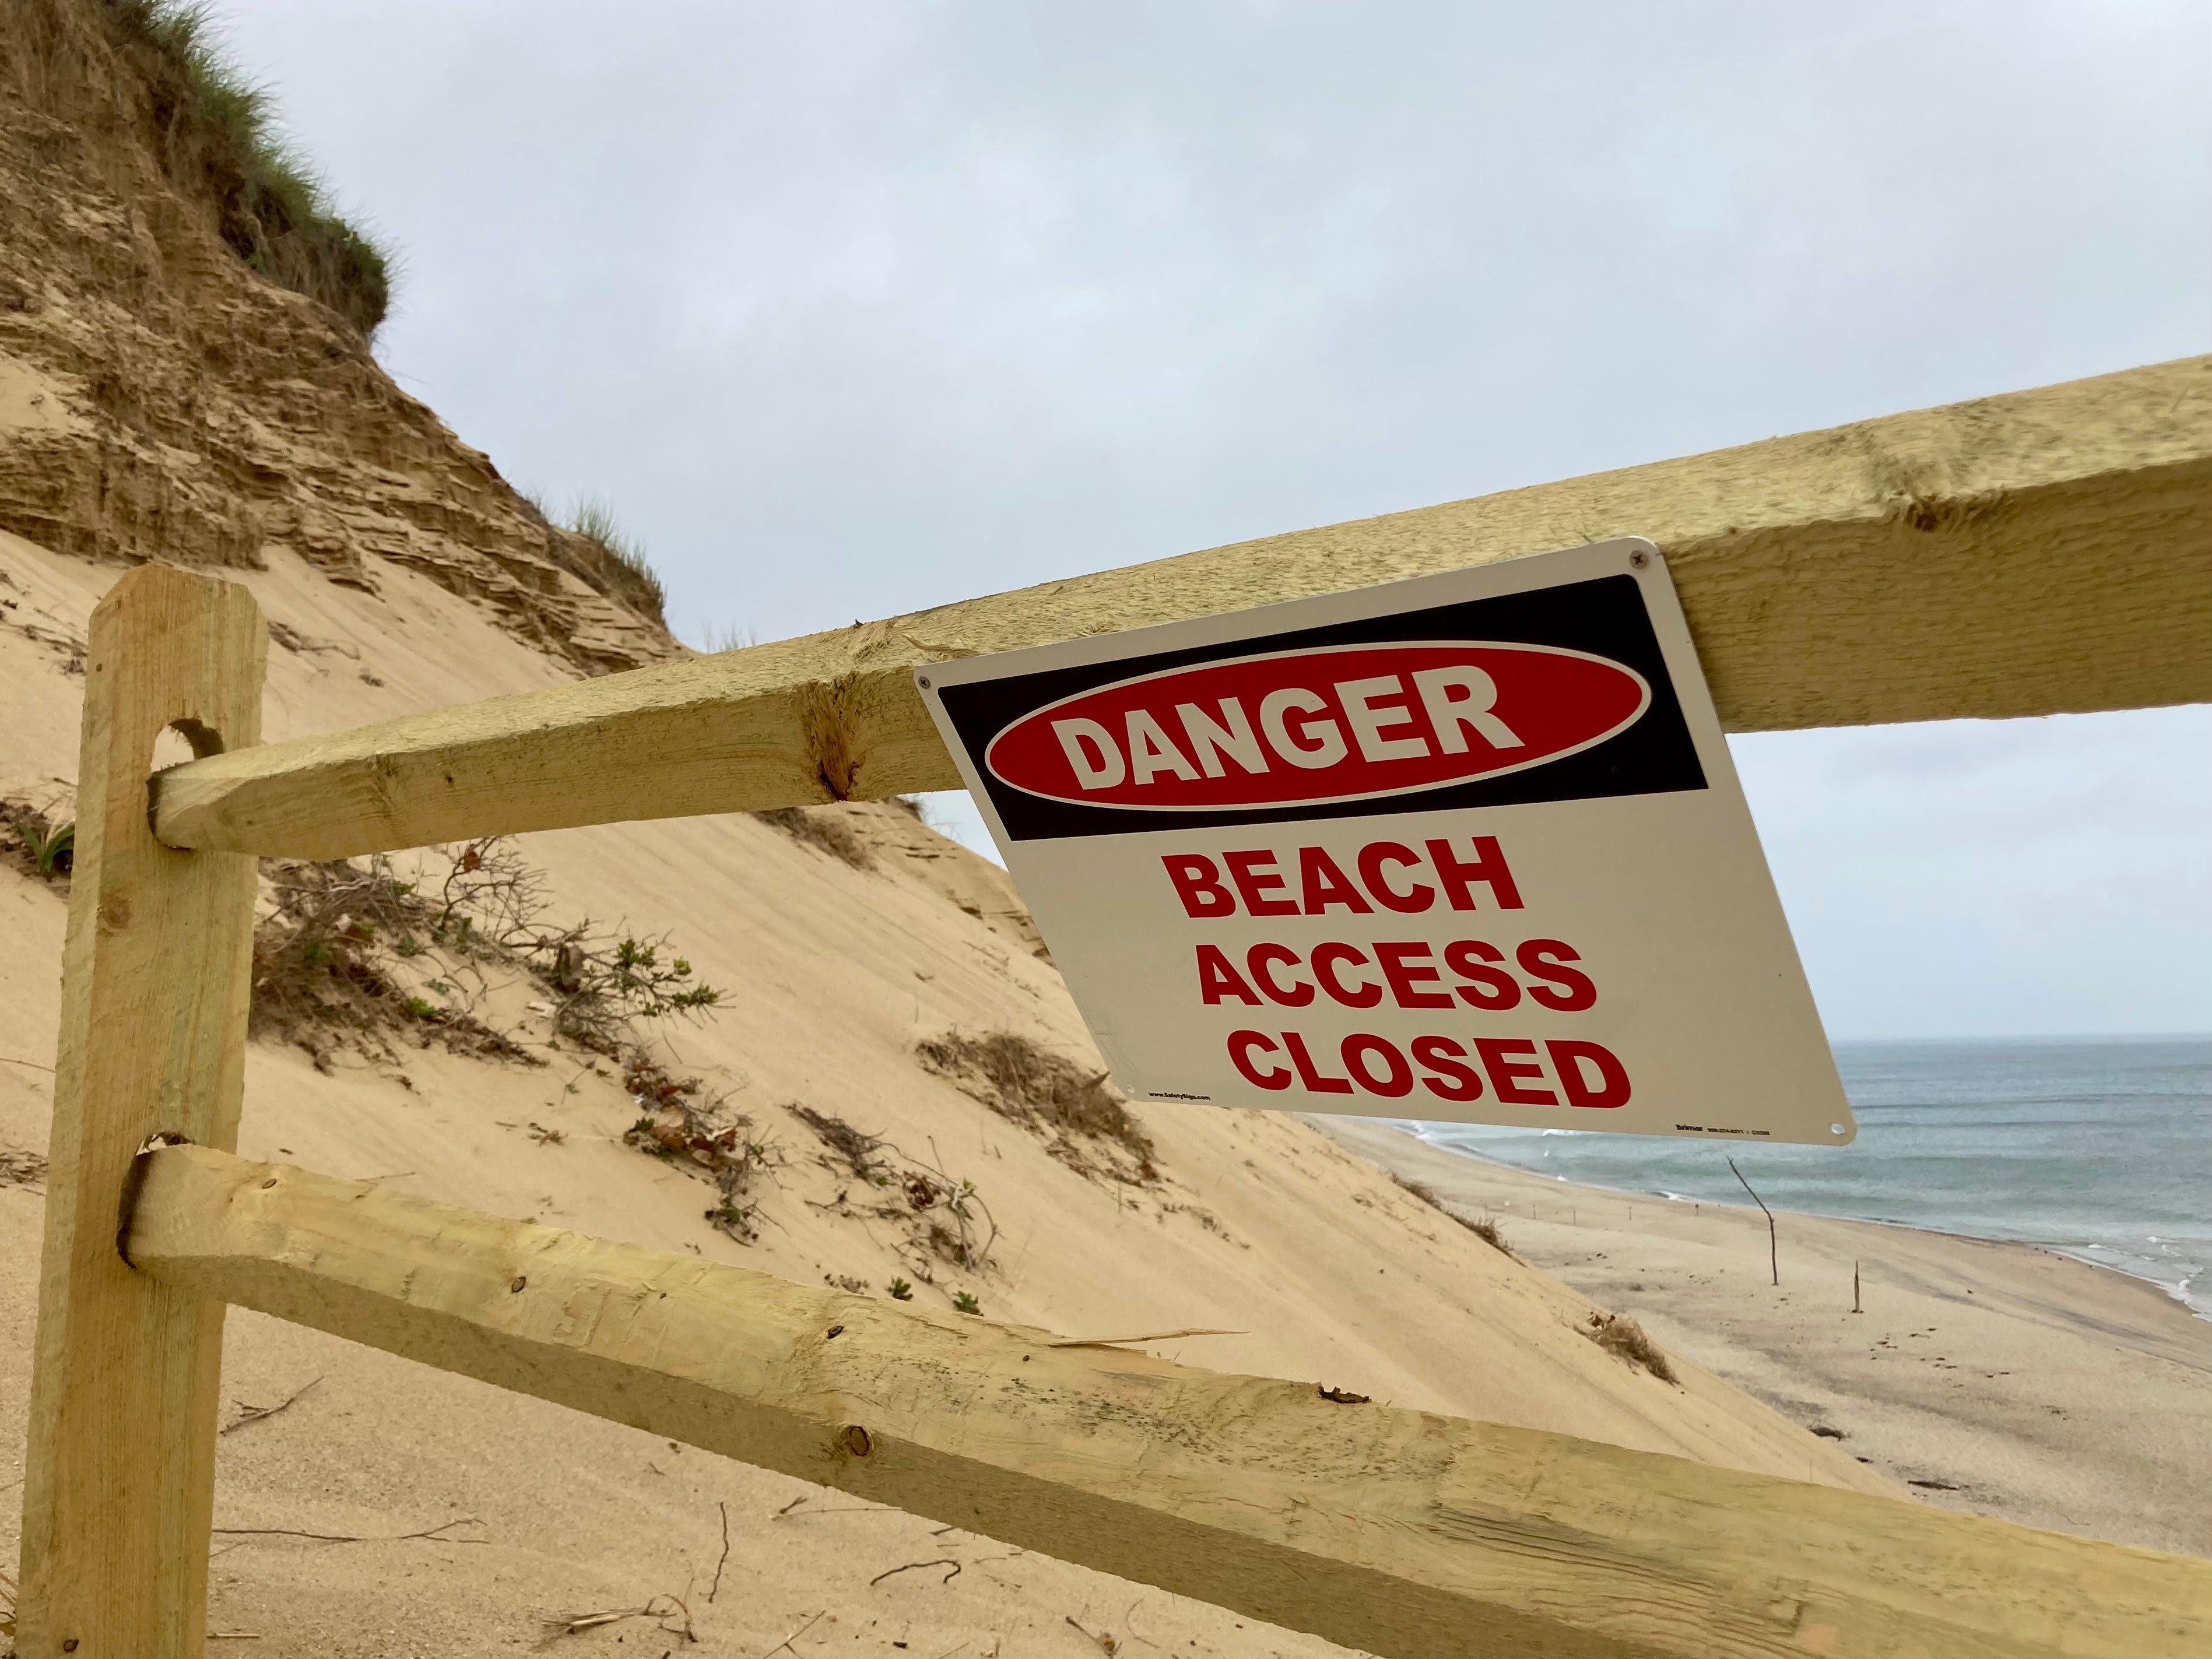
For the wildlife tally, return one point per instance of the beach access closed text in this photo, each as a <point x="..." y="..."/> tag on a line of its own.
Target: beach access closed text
<point x="1469" y="847"/>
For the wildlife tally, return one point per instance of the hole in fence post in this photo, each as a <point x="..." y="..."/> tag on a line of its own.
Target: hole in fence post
<point x="175" y="744"/>
<point x="184" y="740"/>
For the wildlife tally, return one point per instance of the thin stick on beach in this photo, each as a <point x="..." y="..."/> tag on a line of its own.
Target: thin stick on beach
<point x="1773" y="1254"/>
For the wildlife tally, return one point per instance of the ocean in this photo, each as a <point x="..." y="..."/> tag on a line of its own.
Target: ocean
<point x="2097" y="1147"/>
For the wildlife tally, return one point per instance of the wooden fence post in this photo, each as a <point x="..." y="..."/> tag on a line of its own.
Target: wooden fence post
<point x="120" y="1473"/>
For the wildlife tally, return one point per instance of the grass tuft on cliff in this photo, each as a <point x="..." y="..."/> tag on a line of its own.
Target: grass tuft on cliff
<point x="629" y="573"/>
<point x="219" y="141"/>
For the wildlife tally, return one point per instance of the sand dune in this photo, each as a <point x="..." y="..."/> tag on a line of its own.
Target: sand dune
<point x="1261" y="1226"/>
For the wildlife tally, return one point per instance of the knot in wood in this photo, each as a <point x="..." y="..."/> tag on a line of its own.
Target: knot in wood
<point x="856" y="1440"/>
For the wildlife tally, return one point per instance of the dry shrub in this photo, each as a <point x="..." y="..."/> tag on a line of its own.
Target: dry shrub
<point x="1619" y="1334"/>
<point x="325" y="964"/>
<point x="857" y="1151"/>
<point x="1485" y="1228"/>
<point x="685" y="1126"/>
<point x="825" y="830"/>
<point x="1084" y="1121"/>
<point x="19" y="1169"/>
<point x="351" y="953"/>
<point x="943" y="1216"/>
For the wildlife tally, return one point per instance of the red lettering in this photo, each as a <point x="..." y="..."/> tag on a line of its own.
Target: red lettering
<point x="1568" y="1057"/>
<point x="1488" y="868"/>
<point x="1313" y="1079"/>
<point x="1373" y="857"/>
<point x="1241" y="1045"/>
<point x="1198" y="884"/>
<point x="1458" y="1080"/>
<point x="1506" y="1072"/>
<point x="1404" y="975"/>
<point x="1397" y="1078"/>
<point x="1261" y="958"/>
<point x="1365" y="994"/>
<point x="1543" y="958"/>
<point x="1255" y="876"/>
<point x="1325" y="884"/>
<point x="1490" y="989"/>
<point x="1217" y="979"/>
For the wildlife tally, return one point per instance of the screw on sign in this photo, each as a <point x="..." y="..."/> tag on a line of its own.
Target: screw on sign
<point x="1469" y="847"/>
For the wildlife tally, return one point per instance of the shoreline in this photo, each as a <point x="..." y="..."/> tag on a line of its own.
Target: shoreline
<point x="1998" y="1376"/>
<point x="2174" y="1289"/>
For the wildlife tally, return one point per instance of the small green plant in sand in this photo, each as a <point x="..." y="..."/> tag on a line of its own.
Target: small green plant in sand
<point x="900" y="1290"/>
<point x="43" y="844"/>
<point x="965" y="1302"/>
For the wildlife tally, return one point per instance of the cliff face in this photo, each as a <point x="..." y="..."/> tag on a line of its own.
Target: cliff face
<point x="159" y="399"/>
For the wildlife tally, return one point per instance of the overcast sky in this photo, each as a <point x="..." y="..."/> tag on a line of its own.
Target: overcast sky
<point x="846" y="309"/>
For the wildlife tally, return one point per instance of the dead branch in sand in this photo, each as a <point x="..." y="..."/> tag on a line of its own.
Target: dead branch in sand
<point x="911" y="1566"/>
<point x="1104" y="1638"/>
<point x="434" y="1534"/>
<point x="784" y="1646"/>
<point x="576" y="1623"/>
<point x="724" y="1561"/>
<point x="256" y="1414"/>
<point x="1148" y="1336"/>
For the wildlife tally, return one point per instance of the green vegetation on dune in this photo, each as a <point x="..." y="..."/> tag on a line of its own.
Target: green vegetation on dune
<point x="628" y="571"/>
<point x="219" y="141"/>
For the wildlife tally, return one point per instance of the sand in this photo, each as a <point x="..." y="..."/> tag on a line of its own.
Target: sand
<point x="1326" y="1271"/>
<point x="1993" y="1377"/>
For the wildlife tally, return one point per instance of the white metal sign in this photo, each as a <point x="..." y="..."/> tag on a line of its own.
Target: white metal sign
<point x="1469" y="847"/>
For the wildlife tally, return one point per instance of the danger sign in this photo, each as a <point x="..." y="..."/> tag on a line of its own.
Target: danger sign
<point x="1469" y="847"/>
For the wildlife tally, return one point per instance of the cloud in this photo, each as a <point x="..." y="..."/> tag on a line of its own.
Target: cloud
<point x="852" y="308"/>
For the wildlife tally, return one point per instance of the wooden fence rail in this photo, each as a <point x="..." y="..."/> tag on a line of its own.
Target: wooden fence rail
<point x="1399" y="1533"/>
<point x="2023" y="554"/>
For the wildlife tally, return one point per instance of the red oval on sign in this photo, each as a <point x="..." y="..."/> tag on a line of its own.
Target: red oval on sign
<point x="1302" y="728"/>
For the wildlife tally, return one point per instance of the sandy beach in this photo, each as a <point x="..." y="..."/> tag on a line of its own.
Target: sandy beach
<point x="1994" y="1378"/>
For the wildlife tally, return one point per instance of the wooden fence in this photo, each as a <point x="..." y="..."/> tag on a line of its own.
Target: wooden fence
<point x="2028" y="554"/>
